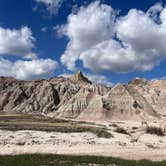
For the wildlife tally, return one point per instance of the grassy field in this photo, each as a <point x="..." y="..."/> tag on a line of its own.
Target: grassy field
<point x="16" y="122"/>
<point x="63" y="160"/>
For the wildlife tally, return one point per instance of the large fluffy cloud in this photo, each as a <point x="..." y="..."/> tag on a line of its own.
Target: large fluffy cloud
<point x="27" y="70"/>
<point x="85" y="29"/>
<point x="21" y="43"/>
<point x="51" y="5"/>
<point x="104" y="41"/>
<point x="18" y="42"/>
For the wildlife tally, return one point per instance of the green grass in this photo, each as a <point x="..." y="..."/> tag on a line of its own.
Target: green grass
<point x="64" y="160"/>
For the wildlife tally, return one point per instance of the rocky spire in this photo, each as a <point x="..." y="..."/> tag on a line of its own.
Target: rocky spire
<point x="79" y="77"/>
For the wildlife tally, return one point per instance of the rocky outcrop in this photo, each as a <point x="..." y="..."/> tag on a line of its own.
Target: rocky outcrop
<point x="79" y="78"/>
<point x="77" y="98"/>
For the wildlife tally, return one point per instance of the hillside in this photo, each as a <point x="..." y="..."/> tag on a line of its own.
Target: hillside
<point x="77" y="98"/>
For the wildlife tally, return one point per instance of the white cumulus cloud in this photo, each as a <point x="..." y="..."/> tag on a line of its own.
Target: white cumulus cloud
<point x="104" y="41"/>
<point x="19" y="42"/>
<point x="27" y="70"/>
<point x="85" y="29"/>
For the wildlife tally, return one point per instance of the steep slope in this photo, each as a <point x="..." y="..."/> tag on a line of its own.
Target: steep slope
<point x="81" y="101"/>
<point x="154" y="92"/>
<point x="79" y="78"/>
<point x="77" y="98"/>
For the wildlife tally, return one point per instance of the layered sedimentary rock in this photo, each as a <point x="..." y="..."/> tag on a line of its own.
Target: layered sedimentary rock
<point x="77" y="98"/>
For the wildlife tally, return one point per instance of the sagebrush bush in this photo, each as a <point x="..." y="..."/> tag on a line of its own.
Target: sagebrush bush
<point x="155" y="130"/>
<point x="121" y="130"/>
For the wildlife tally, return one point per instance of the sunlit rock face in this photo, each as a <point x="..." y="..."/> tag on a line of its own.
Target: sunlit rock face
<point x="77" y="98"/>
<point x="154" y="92"/>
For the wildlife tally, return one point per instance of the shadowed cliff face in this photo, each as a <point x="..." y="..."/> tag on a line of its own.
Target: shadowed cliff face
<point x="77" y="98"/>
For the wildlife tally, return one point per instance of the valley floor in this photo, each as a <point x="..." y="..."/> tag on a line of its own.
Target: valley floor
<point x="134" y="145"/>
<point x="26" y="141"/>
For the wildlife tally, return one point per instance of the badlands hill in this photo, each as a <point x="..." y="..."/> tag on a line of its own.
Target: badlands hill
<point x="77" y="98"/>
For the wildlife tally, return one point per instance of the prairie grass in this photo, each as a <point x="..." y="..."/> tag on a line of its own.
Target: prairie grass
<point x="66" y="160"/>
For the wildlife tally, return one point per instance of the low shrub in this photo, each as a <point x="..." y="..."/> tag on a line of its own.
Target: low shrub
<point x="103" y="134"/>
<point x="121" y="130"/>
<point x="154" y="130"/>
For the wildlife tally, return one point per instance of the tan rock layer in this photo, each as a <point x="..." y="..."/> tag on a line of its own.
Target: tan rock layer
<point x="77" y="98"/>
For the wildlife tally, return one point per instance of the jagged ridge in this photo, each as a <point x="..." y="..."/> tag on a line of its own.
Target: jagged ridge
<point x="77" y="98"/>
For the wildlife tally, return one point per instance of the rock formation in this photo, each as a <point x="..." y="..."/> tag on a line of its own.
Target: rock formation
<point x="77" y="98"/>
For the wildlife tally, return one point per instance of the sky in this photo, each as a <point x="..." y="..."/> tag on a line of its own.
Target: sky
<point x="110" y="41"/>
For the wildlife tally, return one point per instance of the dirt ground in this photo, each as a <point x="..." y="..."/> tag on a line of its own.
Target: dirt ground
<point x="134" y="144"/>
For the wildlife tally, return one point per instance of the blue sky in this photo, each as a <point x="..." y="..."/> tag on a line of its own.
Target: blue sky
<point x="109" y="40"/>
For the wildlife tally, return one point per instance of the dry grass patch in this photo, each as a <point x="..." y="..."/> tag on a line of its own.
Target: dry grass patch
<point x="41" y="123"/>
